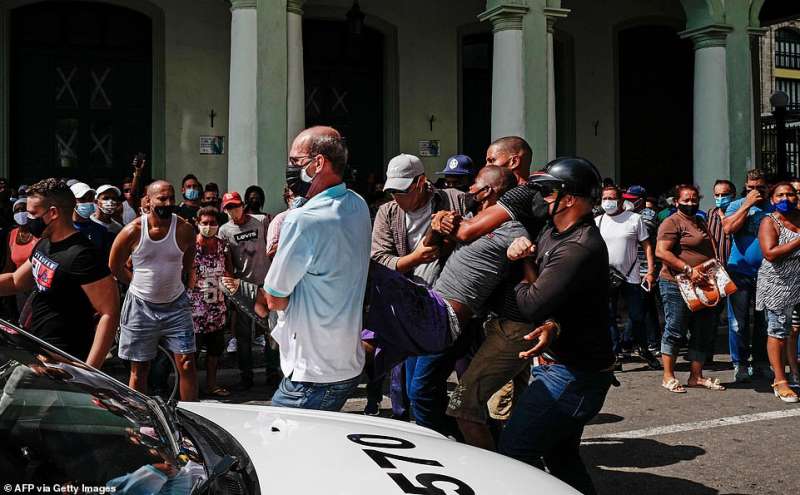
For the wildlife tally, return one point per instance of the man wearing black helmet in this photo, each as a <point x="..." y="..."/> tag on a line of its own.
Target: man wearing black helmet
<point x="566" y="281"/>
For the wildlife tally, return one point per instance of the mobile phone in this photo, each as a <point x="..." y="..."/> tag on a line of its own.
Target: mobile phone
<point x="645" y="285"/>
<point x="140" y="157"/>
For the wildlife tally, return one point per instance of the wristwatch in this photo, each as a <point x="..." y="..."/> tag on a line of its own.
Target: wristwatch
<point x="687" y="270"/>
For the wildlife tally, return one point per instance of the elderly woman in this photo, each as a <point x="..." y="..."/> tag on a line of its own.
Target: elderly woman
<point x="778" y="286"/>
<point x="683" y="242"/>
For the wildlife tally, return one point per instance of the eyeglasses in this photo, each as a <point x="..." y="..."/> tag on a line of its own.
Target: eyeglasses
<point x="294" y="161"/>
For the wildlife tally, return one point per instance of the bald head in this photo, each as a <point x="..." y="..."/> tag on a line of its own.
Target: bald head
<point x="498" y="178"/>
<point x="157" y="187"/>
<point x="321" y="140"/>
<point x="515" y="145"/>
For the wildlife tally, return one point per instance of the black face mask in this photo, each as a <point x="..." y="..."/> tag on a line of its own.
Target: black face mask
<point x="36" y="226"/>
<point x="164" y="212"/>
<point x="471" y="202"/>
<point x="295" y="183"/>
<point x="540" y="209"/>
<point x="688" y="210"/>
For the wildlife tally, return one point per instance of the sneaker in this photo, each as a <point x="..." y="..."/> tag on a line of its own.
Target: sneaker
<point x="652" y="362"/>
<point x="654" y="350"/>
<point x="231" y="346"/>
<point x="244" y="385"/>
<point x="740" y="374"/>
<point x="372" y="409"/>
<point x="618" y="363"/>
<point x="260" y="341"/>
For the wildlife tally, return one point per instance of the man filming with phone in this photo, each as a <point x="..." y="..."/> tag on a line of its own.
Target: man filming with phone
<point x="623" y="232"/>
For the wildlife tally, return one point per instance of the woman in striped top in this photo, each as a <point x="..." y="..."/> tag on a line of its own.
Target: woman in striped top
<point x="778" y="285"/>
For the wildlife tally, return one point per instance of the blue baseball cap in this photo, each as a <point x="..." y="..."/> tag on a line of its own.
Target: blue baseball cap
<point x="634" y="192"/>
<point x="458" y="165"/>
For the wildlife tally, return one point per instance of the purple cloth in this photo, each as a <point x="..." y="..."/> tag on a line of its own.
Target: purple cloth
<point x="404" y="318"/>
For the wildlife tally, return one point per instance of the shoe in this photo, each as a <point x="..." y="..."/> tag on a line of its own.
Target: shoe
<point x="260" y="341"/>
<point x="618" y="363"/>
<point x="652" y="362"/>
<point x="789" y="396"/>
<point x="243" y="386"/>
<point x="231" y="346"/>
<point x="740" y="374"/>
<point x="764" y="372"/>
<point x="372" y="409"/>
<point x="654" y="350"/>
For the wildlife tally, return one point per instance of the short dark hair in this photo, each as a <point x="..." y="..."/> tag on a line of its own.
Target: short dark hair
<point x="331" y="147"/>
<point x="757" y="174"/>
<point x="612" y="188"/>
<point x="188" y="177"/>
<point x="255" y="189"/>
<point x="54" y="192"/>
<point x="517" y="146"/>
<point x="726" y="182"/>
<point x="775" y="186"/>
<point x="681" y="187"/>
<point x="208" y="211"/>
<point x="212" y="186"/>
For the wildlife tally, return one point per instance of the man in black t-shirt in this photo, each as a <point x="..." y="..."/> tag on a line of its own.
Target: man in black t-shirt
<point x="72" y="283"/>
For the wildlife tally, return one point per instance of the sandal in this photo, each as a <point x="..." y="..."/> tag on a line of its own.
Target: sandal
<point x="218" y="392"/>
<point x="707" y="383"/>
<point x="674" y="386"/>
<point x="789" y="396"/>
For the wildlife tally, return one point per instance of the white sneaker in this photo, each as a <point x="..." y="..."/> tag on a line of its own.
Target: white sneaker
<point x="260" y="341"/>
<point x="231" y="346"/>
<point x="741" y="374"/>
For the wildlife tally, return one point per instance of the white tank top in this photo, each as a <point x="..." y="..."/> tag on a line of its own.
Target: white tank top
<point x="157" y="266"/>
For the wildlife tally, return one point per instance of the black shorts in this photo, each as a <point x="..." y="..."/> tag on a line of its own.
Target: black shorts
<point x="214" y="342"/>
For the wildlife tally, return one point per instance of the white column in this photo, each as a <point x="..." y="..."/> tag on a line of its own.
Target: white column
<point x="552" y="14"/>
<point x="296" y="118"/>
<point x="711" y="139"/>
<point x="508" y="96"/>
<point x="242" y="118"/>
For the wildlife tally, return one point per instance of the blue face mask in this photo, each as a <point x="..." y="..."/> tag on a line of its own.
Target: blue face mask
<point x="723" y="202"/>
<point x="785" y="206"/>
<point x="85" y="209"/>
<point x="191" y="194"/>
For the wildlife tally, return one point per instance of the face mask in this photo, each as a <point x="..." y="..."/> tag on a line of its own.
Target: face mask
<point x="304" y="175"/>
<point x="627" y="205"/>
<point x="540" y="208"/>
<point x="254" y="204"/>
<point x="295" y="182"/>
<point x="688" y="210"/>
<point x="208" y="230"/>
<point x="108" y="206"/>
<point x="37" y="226"/>
<point x="164" y="212"/>
<point x="21" y="218"/>
<point x="85" y="210"/>
<point x="609" y="206"/>
<point x="785" y="206"/>
<point x="191" y="194"/>
<point x="723" y="202"/>
<point x="471" y="202"/>
<point x="297" y="202"/>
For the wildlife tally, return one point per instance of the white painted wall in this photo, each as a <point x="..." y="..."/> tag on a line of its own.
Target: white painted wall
<point x="592" y="24"/>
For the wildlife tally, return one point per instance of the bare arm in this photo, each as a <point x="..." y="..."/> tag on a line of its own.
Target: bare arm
<point x="136" y="184"/>
<point x="186" y="241"/>
<point x="649" y="253"/>
<point x="733" y="223"/>
<point x="274" y="303"/>
<point x="18" y="281"/>
<point x="485" y="222"/>
<point x="104" y="297"/>
<point x="121" y="251"/>
<point x="665" y="254"/>
<point x="768" y="239"/>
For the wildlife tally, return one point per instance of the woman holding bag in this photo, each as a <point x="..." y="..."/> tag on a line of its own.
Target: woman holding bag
<point x="778" y="286"/>
<point x="683" y="242"/>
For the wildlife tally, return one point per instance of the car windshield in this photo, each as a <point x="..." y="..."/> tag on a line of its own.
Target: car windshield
<point x="64" y="422"/>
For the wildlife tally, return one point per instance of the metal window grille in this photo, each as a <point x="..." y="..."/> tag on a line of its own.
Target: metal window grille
<point x="787" y="49"/>
<point x="769" y="147"/>
<point x="792" y="88"/>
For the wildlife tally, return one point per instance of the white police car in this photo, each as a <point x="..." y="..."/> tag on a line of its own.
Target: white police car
<point x="67" y="427"/>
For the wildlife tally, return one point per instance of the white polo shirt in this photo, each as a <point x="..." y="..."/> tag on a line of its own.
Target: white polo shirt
<point x="321" y="265"/>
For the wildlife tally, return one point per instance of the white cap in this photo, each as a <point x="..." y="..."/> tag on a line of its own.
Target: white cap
<point x="401" y="172"/>
<point x="109" y="187"/>
<point x="79" y="189"/>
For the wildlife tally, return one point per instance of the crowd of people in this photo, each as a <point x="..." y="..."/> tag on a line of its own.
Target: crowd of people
<point x="533" y="286"/>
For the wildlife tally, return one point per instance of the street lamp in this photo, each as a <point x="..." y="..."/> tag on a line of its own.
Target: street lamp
<point x="355" y="20"/>
<point x="779" y="100"/>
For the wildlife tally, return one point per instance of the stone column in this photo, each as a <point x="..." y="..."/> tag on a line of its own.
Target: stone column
<point x="711" y="122"/>
<point x="552" y="14"/>
<point x="296" y="118"/>
<point x="242" y="137"/>
<point x="508" y="95"/>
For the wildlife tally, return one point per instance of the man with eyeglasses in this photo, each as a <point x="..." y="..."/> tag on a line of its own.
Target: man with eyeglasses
<point x="742" y="220"/>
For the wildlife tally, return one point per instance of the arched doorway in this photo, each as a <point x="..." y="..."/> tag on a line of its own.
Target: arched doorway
<point x="344" y="89"/>
<point x="655" y="107"/>
<point x="81" y="90"/>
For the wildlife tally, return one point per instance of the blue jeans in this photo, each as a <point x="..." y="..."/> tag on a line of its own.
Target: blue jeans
<point x="739" y="334"/>
<point x="634" y="299"/>
<point x="678" y="318"/>
<point x="548" y="421"/>
<point x="320" y="396"/>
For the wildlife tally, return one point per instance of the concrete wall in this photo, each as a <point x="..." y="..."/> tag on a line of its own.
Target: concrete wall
<point x="592" y="25"/>
<point x="197" y="58"/>
<point x="428" y="68"/>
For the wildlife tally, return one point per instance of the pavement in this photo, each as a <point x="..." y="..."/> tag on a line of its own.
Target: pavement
<point x="646" y="440"/>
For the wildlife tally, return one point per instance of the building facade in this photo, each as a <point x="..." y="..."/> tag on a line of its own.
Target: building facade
<point x="652" y="91"/>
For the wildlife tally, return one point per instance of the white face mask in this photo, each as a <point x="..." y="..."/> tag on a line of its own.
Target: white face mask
<point x="21" y="217"/>
<point x="609" y="206"/>
<point x="108" y="206"/>
<point x="208" y="230"/>
<point x="627" y="205"/>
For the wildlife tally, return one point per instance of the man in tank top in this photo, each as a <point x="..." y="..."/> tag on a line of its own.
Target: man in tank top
<point x="156" y="307"/>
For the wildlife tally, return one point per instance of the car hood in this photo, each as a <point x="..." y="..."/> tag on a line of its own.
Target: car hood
<point x="313" y="452"/>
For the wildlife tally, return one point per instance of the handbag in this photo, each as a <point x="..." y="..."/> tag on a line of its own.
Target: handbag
<point x="615" y="277"/>
<point x="715" y="285"/>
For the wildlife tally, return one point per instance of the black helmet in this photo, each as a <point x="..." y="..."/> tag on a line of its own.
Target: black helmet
<point x="572" y="175"/>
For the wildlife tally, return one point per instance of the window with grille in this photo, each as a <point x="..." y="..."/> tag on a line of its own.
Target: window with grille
<point x="792" y="88"/>
<point x="787" y="49"/>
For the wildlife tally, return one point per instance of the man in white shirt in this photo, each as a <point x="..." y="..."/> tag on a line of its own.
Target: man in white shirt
<point x="623" y="231"/>
<point x="318" y="278"/>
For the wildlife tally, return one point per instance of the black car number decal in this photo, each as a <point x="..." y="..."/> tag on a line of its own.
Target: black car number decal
<point x="386" y="460"/>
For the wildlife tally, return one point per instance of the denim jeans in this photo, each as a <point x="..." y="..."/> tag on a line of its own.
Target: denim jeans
<point x="548" y="421"/>
<point x="678" y="319"/>
<point x="652" y="305"/>
<point x="320" y="396"/>
<point x="739" y="333"/>
<point x="632" y="294"/>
